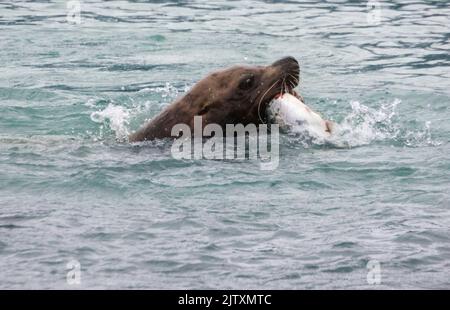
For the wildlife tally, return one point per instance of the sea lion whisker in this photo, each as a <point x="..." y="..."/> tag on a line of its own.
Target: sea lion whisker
<point x="292" y="84"/>
<point x="296" y="80"/>
<point x="262" y="98"/>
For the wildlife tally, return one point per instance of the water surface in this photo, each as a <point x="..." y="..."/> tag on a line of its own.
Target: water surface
<point x="71" y="188"/>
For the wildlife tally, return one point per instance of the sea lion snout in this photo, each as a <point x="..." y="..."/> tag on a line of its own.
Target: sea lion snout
<point x="287" y="61"/>
<point x="289" y="66"/>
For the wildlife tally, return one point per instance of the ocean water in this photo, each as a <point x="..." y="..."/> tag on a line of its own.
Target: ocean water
<point x="369" y="211"/>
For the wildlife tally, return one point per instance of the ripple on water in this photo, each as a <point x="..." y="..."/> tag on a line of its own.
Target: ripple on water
<point x="72" y="188"/>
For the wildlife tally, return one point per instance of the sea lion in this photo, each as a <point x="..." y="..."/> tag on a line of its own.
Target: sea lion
<point x="237" y="95"/>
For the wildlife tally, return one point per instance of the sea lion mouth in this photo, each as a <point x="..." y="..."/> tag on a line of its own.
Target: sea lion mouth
<point x="290" y="75"/>
<point x="287" y="78"/>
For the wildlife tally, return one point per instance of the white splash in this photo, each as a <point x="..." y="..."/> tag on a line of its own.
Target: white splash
<point x="119" y="119"/>
<point x="365" y="125"/>
<point x="114" y="117"/>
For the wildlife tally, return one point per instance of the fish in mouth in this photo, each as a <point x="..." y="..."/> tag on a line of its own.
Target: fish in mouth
<point x="287" y="108"/>
<point x="294" y="116"/>
<point x="275" y="80"/>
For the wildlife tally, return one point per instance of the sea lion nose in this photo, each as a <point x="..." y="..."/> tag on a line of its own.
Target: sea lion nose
<point x="286" y="61"/>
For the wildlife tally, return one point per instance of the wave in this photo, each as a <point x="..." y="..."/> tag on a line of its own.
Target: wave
<point x="363" y="125"/>
<point x="118" y="118"/>
<point x="115" y="118"/>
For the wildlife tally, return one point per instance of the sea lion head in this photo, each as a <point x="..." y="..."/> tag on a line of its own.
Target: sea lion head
<point x="241" y="94"/>
<point x="237" y="95"/>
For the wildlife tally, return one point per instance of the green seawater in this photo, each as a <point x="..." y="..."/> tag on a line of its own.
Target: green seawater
<point x="72" y="188"/>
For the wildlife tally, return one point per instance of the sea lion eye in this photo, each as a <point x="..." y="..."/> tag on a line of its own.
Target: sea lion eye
<point x="247" y="82"/>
